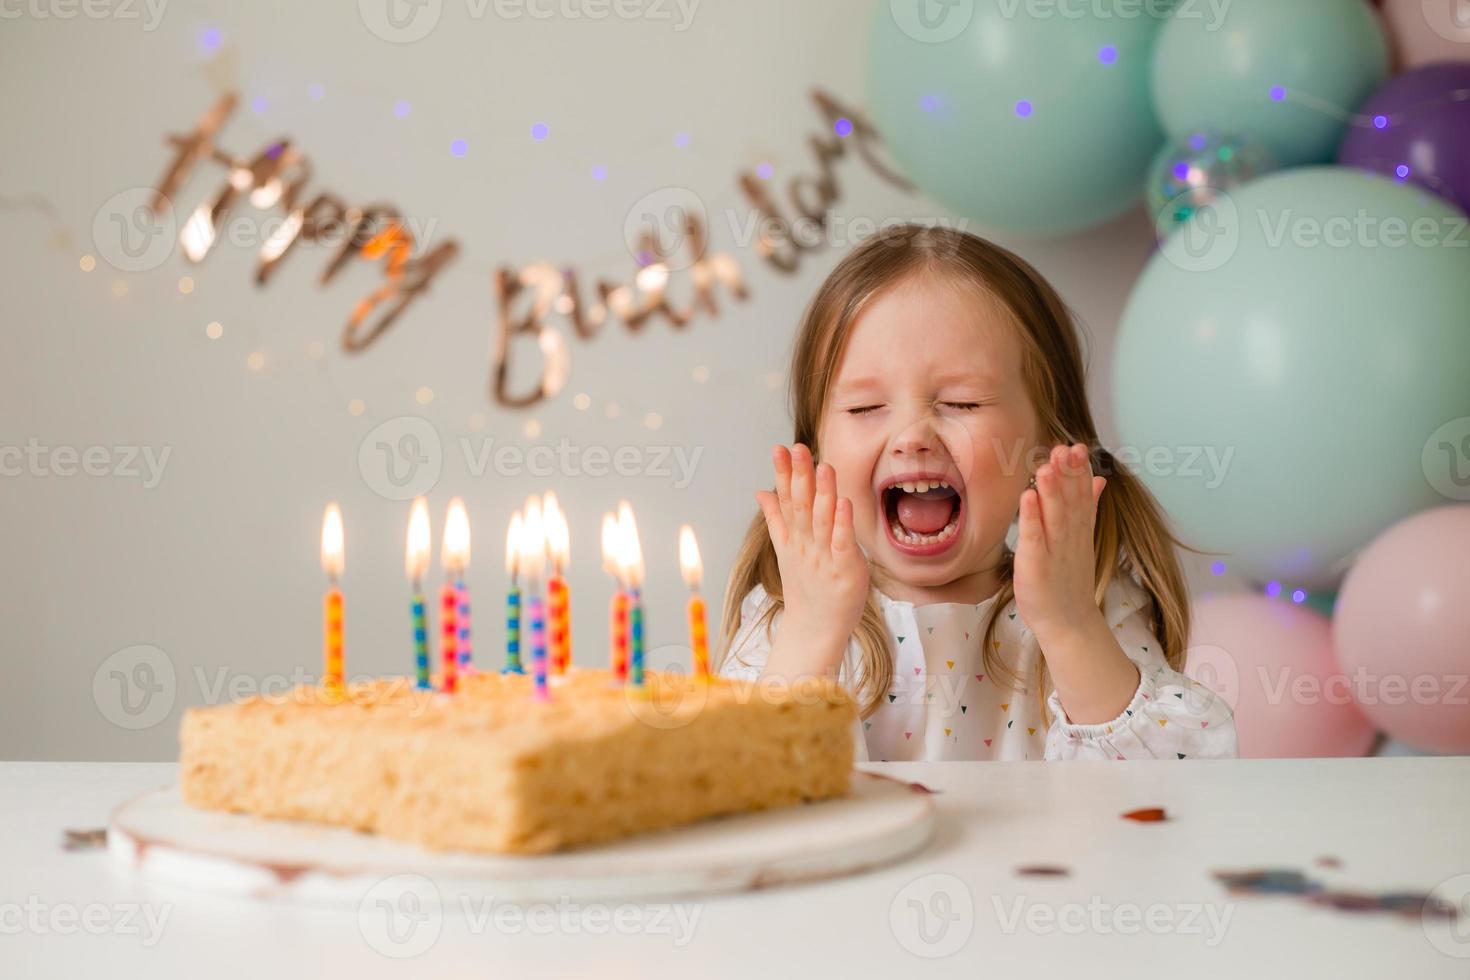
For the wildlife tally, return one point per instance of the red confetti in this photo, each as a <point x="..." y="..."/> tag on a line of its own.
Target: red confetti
<point x="1151" y="814"/>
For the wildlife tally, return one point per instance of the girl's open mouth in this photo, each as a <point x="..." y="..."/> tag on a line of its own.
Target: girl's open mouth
<point x="923" y="516"/>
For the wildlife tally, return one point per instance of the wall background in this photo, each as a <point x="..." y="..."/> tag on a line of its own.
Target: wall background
<point x="216" y="567"/>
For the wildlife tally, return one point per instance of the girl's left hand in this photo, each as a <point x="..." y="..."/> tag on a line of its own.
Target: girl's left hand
<point x="1054" y="564"/>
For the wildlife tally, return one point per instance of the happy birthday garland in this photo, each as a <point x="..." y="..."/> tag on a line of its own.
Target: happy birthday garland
<point x="278" y="176"/>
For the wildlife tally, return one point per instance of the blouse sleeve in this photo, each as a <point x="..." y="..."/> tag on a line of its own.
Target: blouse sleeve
<point x="751" y="646"/>
<point x="1170" y="715"/>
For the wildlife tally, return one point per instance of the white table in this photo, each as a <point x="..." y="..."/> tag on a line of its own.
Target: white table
<point x="1396" y="824"/>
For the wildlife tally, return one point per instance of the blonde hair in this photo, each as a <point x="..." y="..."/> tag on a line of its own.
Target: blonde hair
<point x="1131" y="531"/>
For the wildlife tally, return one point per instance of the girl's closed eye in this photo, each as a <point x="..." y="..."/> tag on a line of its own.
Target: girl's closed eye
<point x="863" y="409"/>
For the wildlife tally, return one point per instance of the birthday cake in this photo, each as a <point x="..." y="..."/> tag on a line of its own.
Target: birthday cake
<point x="494" y="768"/>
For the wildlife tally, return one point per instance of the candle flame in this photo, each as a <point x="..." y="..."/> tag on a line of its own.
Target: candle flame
<point x="456" y="551"/>
<point x="558" y="536"/>
<point x="631" y="551"/>
<point x="689" y="562"/>
<point x="513" y="544"/>
<point x="416" y="556"/>
<point x="533" y="541"/>
<point x="333" y="546"/>
<point x="612" y="547"/>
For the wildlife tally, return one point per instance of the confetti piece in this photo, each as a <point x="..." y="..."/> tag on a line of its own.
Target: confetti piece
<point x="1151" y="814"/>
<point x="83" y="840"/>
<point x="1328" y="861"/>
<point x="1043" y="871"/>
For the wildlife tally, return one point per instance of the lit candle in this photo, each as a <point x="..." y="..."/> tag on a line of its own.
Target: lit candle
<point x="693" y="570"/>
<point x="333" y="561"/>
<point x="558" y="602"/>
<point x="533" y="557"/>
<point x="612" y="563"/>
<point x="416" y="564"/>
<point x="451" y="555"/>
<point x="457" y="561"/>
<point x="632" y="553"/>
<point x="513" y="597"/>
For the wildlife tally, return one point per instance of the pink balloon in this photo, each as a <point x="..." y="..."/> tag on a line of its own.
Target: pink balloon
<point x="1272" y="662"/>
<point x="1402" y="629"/>
<point x="1426" y="31"/>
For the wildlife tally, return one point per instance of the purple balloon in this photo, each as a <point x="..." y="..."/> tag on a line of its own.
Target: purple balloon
<point x="1426" y="140"/>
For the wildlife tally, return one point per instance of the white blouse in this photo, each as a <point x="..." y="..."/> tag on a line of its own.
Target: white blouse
<point x="944" y="704"/>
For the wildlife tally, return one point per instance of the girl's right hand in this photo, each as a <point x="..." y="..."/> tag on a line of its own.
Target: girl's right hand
<point x="824" y="574"/>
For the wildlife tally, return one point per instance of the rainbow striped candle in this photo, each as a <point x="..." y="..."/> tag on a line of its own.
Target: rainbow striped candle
<point x="416" y="565"/>
<point x="635" y="638"/>
<point x="333" y="561"/>
<point x="538" y="645"/>
<point x="420" y="641"/>
<point x="513" y="631"/>
<point x="449" y="635"/>
<point x="618" y="631"/>
<point x="462" y="618"/>
<point x="556" y="620"/>
<point x="558" y="600"/>
<point x="692" y="569"/>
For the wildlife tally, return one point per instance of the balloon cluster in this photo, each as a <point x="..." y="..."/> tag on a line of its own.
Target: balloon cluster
<point x="1305" y="320"/>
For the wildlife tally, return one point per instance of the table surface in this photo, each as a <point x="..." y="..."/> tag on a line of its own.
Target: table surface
<point x="1139" y="900"/>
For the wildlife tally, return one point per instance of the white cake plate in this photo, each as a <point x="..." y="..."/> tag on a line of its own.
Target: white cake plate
<point x="166" y="840"/>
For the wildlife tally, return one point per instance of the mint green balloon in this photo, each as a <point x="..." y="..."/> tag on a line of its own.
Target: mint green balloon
<point x="1288" y="72"/>
<point x="1287" y="355"/>
<point x="1038" y="124"/>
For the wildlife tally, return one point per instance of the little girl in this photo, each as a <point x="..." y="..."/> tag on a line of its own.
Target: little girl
<point x="938" y="386"/>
